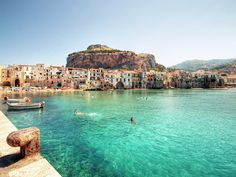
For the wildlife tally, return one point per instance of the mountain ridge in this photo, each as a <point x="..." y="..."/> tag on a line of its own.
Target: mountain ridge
<point x="228" y="67"/>
<point x="196" y="64"/>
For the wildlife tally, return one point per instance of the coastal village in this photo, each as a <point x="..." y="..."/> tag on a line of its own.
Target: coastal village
<point x="118" y="88"/>
<point x="42" y="76"/>
<point x="100" y="67"/>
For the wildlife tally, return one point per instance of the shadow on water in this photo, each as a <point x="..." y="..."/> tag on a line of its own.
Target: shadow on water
<point x="27" y="110"/>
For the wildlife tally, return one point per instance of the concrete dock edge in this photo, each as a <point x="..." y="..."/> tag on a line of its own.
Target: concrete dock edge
<point x="36" y="166"/>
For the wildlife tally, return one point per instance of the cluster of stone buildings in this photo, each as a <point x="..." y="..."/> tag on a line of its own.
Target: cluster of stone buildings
<point x="41" y="75"/>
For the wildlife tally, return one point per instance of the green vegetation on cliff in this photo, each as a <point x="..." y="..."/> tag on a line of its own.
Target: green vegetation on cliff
<point x="227" y="67"/>
<point x="193" y="65"/>
<point x="101" y="51"/>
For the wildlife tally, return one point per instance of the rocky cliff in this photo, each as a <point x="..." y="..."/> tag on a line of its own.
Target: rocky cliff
<point x="102" y="56"/>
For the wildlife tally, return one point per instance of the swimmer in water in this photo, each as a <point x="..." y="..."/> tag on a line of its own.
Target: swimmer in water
<point x="132" y="120"/>
<point x="79" y="113"/>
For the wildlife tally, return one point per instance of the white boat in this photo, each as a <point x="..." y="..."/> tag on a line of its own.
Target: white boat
<point x="24" y="106"/>
<point x="13" y="100"/>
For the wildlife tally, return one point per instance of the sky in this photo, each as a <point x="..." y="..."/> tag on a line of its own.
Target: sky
<point x="46" y="31"/>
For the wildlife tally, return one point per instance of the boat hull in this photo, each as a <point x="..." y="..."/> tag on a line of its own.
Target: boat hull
<point x="25" y="106"/>
<point x="13" y="101"/>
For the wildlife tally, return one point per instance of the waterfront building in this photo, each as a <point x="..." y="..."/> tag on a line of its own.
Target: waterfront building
<point x="231" y="80"/>
<point x="40" y="75"/>
<point x="8" y="77"/>
<point x="137" y="79"/>
<point x="155" y="79"/>
<point x="1" y="67"/>
<point x="78" y="77"/>
<point x="111" y="78"/>
<point x="27" y="73"/>
<point x="53" y="76"/>
<point x="223" y="76"/>
<point x="17" y="76"/>
<point x="126" y="78"/>
<point x="184" y="80"/>
<point x="108" y="76"/>
<point x="95" y="79"/>
<point x="120" y="79"/>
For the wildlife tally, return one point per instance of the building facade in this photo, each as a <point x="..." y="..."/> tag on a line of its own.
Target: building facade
<point x="41" y="75"/>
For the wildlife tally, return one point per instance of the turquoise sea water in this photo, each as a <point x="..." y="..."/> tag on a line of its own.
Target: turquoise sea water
<point x="177" y="132"/>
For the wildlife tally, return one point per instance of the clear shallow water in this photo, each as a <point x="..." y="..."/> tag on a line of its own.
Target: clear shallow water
<point x="178" y="132"/>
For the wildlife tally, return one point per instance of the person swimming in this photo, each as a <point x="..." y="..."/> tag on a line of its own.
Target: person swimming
<point x="132" y="120"/>
<point x="78" y="113"/>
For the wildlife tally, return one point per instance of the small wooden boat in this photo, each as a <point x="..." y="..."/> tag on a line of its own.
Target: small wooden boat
<point x="24" y="106"/>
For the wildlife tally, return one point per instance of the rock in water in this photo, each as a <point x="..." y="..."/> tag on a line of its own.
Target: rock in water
<point x="102" y="56"/>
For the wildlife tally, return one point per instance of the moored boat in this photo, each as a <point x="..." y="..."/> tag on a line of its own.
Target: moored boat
<point x="24" y="106"/>
<point x="10" y="100"/>
<point x="13" y="100"/>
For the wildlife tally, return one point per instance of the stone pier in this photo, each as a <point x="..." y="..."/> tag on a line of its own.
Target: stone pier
<point x="20" y="152"/>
